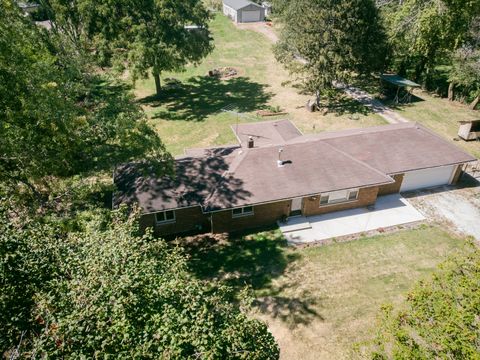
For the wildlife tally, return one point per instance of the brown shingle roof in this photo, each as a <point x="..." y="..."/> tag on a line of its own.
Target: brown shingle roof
<point x="308" y="169"/>
<point x="266" y="132"/>
<point x="232" y="176"/>
<point x="395" y="148"/>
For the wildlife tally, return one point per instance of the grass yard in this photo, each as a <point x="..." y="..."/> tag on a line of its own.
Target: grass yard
<point x="441" y="116"/>
<point x="320" y="301"/>
<point x="191" y="114"/>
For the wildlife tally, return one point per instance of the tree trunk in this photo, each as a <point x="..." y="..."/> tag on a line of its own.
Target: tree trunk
<point x="451" y="94"/>
<point x="158" y="84"/>
<point x="475" y="102"/>
<point x="317" y="99"/>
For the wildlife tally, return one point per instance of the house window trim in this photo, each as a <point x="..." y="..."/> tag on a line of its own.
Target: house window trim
<point x="243" y="214"/>
<point x="163" y="222"/>
<point x="346" y="200"/>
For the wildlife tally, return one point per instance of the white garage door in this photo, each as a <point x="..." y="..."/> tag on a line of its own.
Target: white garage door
<point x="420" y="179"/>
<point x="250" y="16"/>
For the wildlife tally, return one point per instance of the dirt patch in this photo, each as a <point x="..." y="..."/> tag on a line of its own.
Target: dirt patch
<point x="262" y="28"/>
<point x="224" y="73"/>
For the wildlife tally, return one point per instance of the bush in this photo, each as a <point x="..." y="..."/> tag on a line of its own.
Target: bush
<point x="440" y="319"/>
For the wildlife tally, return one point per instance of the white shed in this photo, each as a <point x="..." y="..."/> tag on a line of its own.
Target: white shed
<point x="242" y="11"/>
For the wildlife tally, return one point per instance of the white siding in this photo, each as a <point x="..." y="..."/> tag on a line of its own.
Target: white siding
<point x="231" y="13"/>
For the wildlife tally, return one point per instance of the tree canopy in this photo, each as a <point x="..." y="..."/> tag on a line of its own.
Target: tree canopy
<point x="323" y="41"/>
<point x="60" y="118"/>
<point x="143" y="36"/>
<point x="114" y="292"/>
<point x="439" y="319"/>
<point x="427" y="37"/>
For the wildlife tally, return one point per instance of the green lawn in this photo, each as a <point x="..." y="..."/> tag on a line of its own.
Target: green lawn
<point x="191" y="116"/>
<point x="320" y="301"/>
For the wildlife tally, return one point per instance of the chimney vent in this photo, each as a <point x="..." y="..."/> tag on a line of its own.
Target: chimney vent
<point x="251" y="143"/>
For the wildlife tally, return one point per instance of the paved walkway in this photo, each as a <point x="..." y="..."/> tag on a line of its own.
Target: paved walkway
<point x="389" y="211"/>
<point x="370" y="102"/>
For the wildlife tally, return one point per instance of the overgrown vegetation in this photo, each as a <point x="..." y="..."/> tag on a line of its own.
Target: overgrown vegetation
<point x="439" y="318"/>
<point x="112" y="292"/>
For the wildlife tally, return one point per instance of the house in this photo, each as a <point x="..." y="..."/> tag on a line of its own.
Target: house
<point x="276" y="172"/>
<point x="243" y="11"/>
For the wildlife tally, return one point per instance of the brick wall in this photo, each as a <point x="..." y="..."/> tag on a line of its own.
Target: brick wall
<point x="263" y="215"/>
<point x="391" y="188"/>
<point x="186" y="219"/>
<point x="366" y="196"/>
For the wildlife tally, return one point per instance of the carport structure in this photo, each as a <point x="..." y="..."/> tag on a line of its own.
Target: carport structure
<point x="400" y="83"/>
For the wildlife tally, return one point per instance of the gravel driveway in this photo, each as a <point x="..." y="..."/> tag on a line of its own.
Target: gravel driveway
<point x="457" y="208"/>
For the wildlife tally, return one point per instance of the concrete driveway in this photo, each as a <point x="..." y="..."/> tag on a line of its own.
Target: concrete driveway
<point x="389" y="211"/>
<point x="455" y="208"/>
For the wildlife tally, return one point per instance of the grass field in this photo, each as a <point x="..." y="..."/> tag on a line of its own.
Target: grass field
<point x="320" y="301"/>
<point x="191" y="115"/>
<point x="442" y="116"/>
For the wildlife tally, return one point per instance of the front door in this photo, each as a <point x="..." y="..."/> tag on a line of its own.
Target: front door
<point x="296" y="207"/>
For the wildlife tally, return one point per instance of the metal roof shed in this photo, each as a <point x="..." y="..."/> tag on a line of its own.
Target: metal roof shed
<point x="400" y="83"/>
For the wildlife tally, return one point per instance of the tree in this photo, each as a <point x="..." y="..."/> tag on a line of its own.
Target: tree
<point x="439" y="319"/>
<point x="143" y="35"/>
<point x="425" y="33"/>
<point x="115" y="293"/>
<point x="59" y="118"/>
<point x="466" y="65"/>
<point x="323" y="41"/>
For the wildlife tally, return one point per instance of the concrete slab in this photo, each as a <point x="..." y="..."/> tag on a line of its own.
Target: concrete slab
<point x="390" y="210"/>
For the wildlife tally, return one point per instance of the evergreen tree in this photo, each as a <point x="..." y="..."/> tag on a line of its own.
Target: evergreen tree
<point x="323" y="41"/>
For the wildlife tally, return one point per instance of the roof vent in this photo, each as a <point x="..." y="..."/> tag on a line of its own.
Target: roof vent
<point x="280" y="161"/>
<point x="251" y="143"/>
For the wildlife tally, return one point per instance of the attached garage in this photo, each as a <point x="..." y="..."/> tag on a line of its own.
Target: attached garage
<point x="425" y="178"/>
<point x="243" y="11"/>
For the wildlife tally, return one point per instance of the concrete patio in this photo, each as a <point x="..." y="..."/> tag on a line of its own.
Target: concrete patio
<point x="390" y="210"/>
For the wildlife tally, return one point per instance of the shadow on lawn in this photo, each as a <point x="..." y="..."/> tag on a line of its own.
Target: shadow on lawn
<point x="251" y="260"/>
<point x="202" y="96"/>
<point x="342" y="104"/>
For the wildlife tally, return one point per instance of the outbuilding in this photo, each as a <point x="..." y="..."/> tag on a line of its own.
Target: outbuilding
<point x="243" y="11"/>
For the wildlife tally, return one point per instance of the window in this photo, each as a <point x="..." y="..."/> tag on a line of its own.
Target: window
<point x="324" y="199"/>
<point x="165" y="217"/>
<point x="338" y="197"/>
<point x="352" y="195"/>
<point x="243" y="211"/>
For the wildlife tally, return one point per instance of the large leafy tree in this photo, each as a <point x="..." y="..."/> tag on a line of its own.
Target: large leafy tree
<point x="425" y="33"/>
<point x="152" y="35"/>
<point x="115" y="293"/>
<point x="323" y="41"/>
<point x="466" y="65"/>
<point x="439" y="319"/>
<point x="59" y="118"/>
